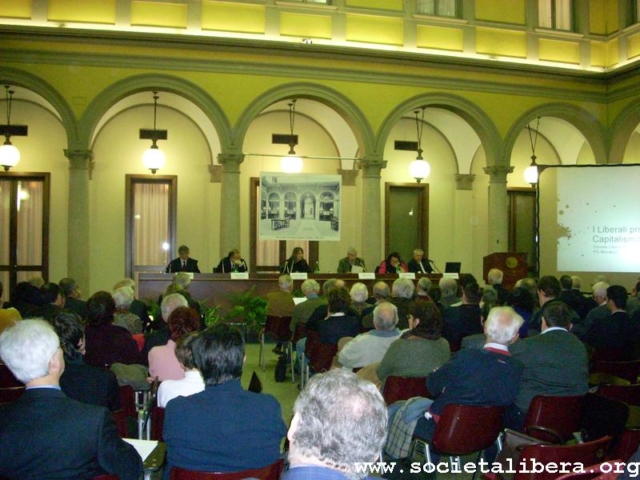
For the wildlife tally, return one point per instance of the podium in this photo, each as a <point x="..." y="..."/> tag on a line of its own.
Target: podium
<point x="513" y="265"/>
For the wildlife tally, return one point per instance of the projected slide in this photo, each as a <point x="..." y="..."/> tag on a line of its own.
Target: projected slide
<point x="590" y="218"/>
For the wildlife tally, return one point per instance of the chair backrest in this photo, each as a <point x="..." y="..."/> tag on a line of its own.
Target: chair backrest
<point x="629" y="394"/>
<point x="602" y="471"/>
<point x="464" y="429"/>
<point x="139" y="338"/>
<point x="404" y="388"/>
<point x="320" y="354"/>
<point x="589" y="453"/>
<point x="626" y="445"/>
<point x="278" y="327"/>
<point x="627" y="370"/>
<point x="7" y="378"/>
<point x="121" y="419"/>
<point x="300" y="332"/>
<point x="11" y="394"/>
<point x="128" y="400"/>
<point x="602" y="416"/>
<point x="270" y="472"/>
<point x="157" y="423"/>
<point x="551" y="417"/>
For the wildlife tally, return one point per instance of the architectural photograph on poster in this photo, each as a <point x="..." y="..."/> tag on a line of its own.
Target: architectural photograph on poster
<point x="299" y="206"/>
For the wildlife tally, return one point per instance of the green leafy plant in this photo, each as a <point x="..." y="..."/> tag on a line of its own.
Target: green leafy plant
<point x="210" y="314"/>
<point x="248" y="308"/>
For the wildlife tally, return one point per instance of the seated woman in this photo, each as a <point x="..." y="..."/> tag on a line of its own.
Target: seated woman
<point x="233" y="262"/>
<point x="296" y="262"/>
<point x="79" y="381"/>
<point x="192" y="381"/>
<point x="163" y="362"/>
<point x="107" y="343"/>
<point x="393" y="264"/>
<point x="123" y="297"/>
<point x="420" y="350"/>
<point x="359" y="295"/>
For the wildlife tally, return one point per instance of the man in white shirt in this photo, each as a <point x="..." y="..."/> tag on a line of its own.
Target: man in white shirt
<point x="192" y="381"/>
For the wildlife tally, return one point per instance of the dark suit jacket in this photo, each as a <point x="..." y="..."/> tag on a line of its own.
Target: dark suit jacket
<point x="175" y="266"/>
<point x="344" y="266"/>
<point x="555" y="364"/>
<point x="108" y="344"/>
<point x="45" y="434"/>
<point x="415" y="266"/>
<point x="223" y="429"/>
<point x="76" y="306"/>
<point x="225" y="266"/>
<point x="88" y="384"/>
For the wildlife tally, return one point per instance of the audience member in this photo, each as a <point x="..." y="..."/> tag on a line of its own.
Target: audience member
<point x="555" y="362"/>
<point x="8" y="315"/>
<point x="163" y="363"/>
<point x="233" y="262"/>
<point x="296" y="262"/>
<point x="420" y="350"/>
<point x="123" y="297"/>
<point x="586" y="303"/>
<point x="107" y="343"/>
<point x="137" y="307"/>
<point x="161" y="335"/>
<point x="494" y="279"/>
<point x="449" y="291"/>
<point x="548" y="291"/>
<point x="601" y="311"/>
<point x="280" y="303"/>
<point x="418" y="263"/>
<point x="339" y="424"/>
<point x="73" y="296"/>
<point x="422" y="289"/>
<point x="633" y="302"/>
<point x="402" y="292"/>
<point x="192" y="381"/>
<point x="381" y="293"/>
<point x="302" y="311"/>
<point x="224" y="428"/>
<point x="346" y="264"/>
<point x="568" y="295"/>
<point x="523" y="303"/>
<point x="487" y="377"/>
<point x="370" y="347"/>
<point x="359" y="296"/>
<point x="340" y="321"/>
<point x="45" y="434"/>
<point x="616" y="333"/>
<point x="51" y="302"/>
<point x="392" y="264"/>
<point x="183" y="263"/>
<point x="463" y="320"/>
<point x="82" y="382"/>
<point x="26" y="299"/>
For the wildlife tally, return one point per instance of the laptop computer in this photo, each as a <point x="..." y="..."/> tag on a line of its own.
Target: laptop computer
<point x="452" y="267"/>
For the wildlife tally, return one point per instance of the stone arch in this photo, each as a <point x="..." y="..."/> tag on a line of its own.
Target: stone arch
<point x="327" y="96"/>
<point x="146" y="82"/>
<point x="479" y="121"/>
<point x="587" y="125"/>
<point x="13" y="76"/>
<point x="621" y="129"/>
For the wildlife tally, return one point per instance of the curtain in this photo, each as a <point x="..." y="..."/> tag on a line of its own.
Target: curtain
<point x="29" y="210"/>
<point x="150" y="223"/>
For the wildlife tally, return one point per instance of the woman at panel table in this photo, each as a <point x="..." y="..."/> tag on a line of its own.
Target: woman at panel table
<point x="296" y="262"/>
<point x="393" y="264"/>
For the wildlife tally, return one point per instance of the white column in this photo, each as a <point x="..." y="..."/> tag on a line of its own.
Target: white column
<point x="498" y="208"/>
<point x="230" y="200"/>
<point x="372" y="250"/>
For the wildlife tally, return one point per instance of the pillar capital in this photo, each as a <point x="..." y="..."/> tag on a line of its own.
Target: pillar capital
<point x="79" y="159"/>
<point x="348" y="177"/>
<point x="465" y="182"/>
<point x="498" y="173"/>
<point x="230" y="161"/>
<point x="371" y="168"/>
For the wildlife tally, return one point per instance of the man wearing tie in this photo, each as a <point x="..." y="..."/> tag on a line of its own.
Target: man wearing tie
<point x="183" y="263"/>
<point x="418" y="263"/>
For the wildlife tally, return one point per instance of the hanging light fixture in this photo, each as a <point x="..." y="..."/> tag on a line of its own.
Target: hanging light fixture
<point x="531" y="172"/>
<point x="419" y="168"/>
<point x="154" y="158"/>
<point x="291" y="163"/>
<point x="9" y="154"/>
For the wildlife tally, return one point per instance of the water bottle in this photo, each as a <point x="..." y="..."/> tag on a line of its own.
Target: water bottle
<point x="317" y="268"/>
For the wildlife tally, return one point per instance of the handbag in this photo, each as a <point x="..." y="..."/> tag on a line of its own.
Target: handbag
<point x="512" y="445"/>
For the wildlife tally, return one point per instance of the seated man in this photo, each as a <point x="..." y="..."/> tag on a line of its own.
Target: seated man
<point x="192" y="381"/>
<point x="346" y="264"/>
<point x="555" y="362"/>
<point x="280" y="303"/>
<point x="233" y="262"/>
<point x="183" y="263"/>
<point x="302" y="311"/>
<point x="419" y="264"/>
<point x="370" y="347"/>
<point x="339" y="422"/>
<point x="465" y="319"/>
<point x="224" y="428"/>
<point x="45" y="434"/>
<point x="402" y="292"/>
<point x="487" y="377"/>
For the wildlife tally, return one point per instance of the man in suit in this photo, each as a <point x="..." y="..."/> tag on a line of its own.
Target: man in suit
<point x="418" y="263"/>
<point x="225" y="428"/>
<point x="555" y="362"/>
<point x="303" y="311"/>
<point x="183" y="263"/>
<point x="72" y="295"/>
<point x="351" y="260"/>
<point x="45" y="434"/>
<point x="339" y="422"/>
<point x="599" y="312"/>
<point x="494" y="279"/>
<point x="280" y="303"/>
<point x="233" y="262"/>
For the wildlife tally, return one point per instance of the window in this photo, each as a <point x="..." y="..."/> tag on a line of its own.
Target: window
<point x="439" y="8"/>
<point x="150" y="222"/>
<point x="634" y="12"/>
<point x="556" y="14"/>
<point x="522" y="224"/>
<point x="24" y="227"/>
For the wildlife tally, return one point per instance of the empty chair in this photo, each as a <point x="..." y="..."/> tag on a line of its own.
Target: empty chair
<point x="629" y="394"/>
<point x="627" y="370"/>
<point x="270" y="472"/>
<point x="320" y="356"/>
<point x="404" y="388"/>
<point x="553" y="419"/>
<point x="462" y="430"/>
<point x="602" y="416"/>
<point x="589" y="453"/>
<point x="279" y="328"/>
